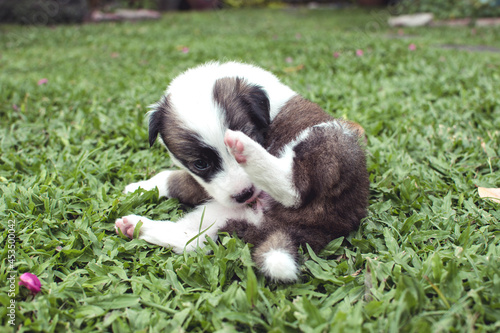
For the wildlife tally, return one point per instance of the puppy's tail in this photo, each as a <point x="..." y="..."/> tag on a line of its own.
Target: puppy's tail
<point x="277" y="256"/>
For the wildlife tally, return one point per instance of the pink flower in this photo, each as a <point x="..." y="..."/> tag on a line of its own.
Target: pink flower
<point x="412" y="47"/>
<point x="336" y="54"/>
<point x="359" y="52"/>
<point x="31" y="282"/>
<point x="185" y="49"/>
<point x="42" y="81"/>
<point x="289" y="60"/>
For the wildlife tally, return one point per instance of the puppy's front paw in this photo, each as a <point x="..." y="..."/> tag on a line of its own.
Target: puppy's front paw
<point x="130" y="188"/>
<point x="127" y="224"/>
<point x="238" y="144"/>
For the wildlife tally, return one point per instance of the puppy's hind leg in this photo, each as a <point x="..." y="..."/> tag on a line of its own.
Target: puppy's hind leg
<point x="276" y="257"/>
<point x="270" y="173"/>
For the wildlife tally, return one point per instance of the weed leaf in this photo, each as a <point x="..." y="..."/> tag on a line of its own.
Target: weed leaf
<point x="137" y="230"/>
<point x="492" y="194"/>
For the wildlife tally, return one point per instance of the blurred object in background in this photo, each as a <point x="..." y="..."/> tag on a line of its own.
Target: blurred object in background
<point x="43" y="12"/>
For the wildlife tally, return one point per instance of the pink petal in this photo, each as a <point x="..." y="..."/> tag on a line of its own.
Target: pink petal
<point x="359" y="52"/>
<point x="289" y="60"/>
<point x="336" y="54"/>
<point x="42" y="81"/>
<point x="185" y="49"/>
<point x="412" y="47"/>
<point x="31" y="282"/>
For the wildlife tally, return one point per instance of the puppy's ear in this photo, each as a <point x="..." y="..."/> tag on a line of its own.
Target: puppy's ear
<point x="154" y="126"/>
<point x="258" y="105"/>
<point x="246" y="106"/>
<point x="157" y="119"/>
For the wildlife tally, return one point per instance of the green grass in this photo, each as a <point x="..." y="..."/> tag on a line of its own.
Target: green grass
<point x="426" y="259"/>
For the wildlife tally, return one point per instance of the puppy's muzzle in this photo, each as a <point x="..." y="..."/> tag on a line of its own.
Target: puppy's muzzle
<point x="244" y="195"/>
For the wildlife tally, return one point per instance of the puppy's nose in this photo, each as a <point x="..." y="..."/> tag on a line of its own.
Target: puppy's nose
<point x="244" y="195"/>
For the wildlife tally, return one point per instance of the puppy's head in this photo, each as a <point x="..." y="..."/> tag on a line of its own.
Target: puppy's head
<point x="191" y="120"/>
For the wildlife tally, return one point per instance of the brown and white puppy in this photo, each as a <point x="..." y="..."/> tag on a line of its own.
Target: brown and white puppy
<point x="256" y="159"/>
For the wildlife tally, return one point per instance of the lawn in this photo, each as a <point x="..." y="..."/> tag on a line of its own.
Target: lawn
<point x="426" y="259"/>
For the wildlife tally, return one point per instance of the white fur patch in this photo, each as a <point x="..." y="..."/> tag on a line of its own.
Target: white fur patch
<point x="279" y="265"/>
<point x="305" y="134"/>
<point x="201" y="80"/>
<point x="335" y="124"/>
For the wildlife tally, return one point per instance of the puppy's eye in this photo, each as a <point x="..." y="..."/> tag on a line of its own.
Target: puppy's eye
<point x="201" y="165"/>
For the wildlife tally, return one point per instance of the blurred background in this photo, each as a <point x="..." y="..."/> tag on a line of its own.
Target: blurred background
<point x="43" y="12"/>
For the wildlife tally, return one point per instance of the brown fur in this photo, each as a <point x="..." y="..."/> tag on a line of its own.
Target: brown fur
<point x="294" y="117"/>
<point x="172" y="131"/>
<point x="185" y="188"/>
<point x="329" y="173"/>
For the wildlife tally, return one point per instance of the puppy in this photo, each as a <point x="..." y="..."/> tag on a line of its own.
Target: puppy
<point x="257" y="160"/>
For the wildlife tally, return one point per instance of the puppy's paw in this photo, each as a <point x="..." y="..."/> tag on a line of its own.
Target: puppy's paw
<point x="238" y="144"/>
<point x="130" y="188"/>
<point x="127" y="224"/>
